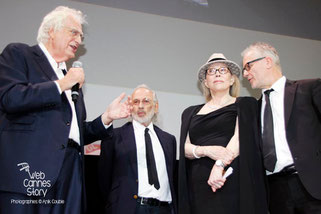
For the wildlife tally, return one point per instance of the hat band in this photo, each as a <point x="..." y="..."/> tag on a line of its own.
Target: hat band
<point x="215" y="59"/>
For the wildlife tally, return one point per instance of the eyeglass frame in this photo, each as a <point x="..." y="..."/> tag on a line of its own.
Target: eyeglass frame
<point x="247" y="66"/>
<point x="75" y="33"/>
<point x="217" y="70"/>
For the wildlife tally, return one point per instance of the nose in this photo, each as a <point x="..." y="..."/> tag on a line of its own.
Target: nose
<point x="140" y="105"/>
<point x="79" y="39"/>
<point x="245" y="73"/>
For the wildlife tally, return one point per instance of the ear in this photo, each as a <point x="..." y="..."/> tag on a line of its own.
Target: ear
<point x="156" y="107"/>
<point x="51" y="33"/>
<point x="269" y="62"/>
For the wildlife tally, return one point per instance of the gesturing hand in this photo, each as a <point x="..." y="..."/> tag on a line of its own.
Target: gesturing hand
<point x="117" y="109"/>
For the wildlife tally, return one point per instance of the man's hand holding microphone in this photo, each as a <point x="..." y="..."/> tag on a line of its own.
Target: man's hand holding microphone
<point x="74" y="76"/>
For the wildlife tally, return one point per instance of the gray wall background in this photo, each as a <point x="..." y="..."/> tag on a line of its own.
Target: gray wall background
<point x="125" y="48"/>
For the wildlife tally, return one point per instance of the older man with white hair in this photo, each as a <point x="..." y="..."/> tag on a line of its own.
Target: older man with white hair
<point x="42" y="129"/>
<point x="138" y="162"/>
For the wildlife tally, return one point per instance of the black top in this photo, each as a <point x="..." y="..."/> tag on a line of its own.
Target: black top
<point x="214" y="128"/>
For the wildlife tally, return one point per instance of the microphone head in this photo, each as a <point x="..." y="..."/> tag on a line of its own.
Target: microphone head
<point x="77" y="64"/>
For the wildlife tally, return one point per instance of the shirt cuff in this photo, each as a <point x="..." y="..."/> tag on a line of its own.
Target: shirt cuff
<point x="106" y="126"/>
<point x="58" y="87"/>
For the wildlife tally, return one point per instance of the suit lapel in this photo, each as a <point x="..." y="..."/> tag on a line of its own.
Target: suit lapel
<point x="43" y="62"/>
<point x="260" y="103"/>
<point x="80" y="112"/>
<point x="260" y="119"/>
<point x="289" y="94"/>
<point x="130" y="144"/>
<point x="166" y="146"/>
<point x="47" y="70"/>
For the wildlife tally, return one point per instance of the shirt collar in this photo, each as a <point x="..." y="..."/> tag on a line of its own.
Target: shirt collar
<point x="278" y="86"/>
<point x="53" y="63"/>
<point x="141" y="127"/>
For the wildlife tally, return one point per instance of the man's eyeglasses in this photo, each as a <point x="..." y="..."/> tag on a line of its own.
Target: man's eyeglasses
<point x="248" y="66"/>
<point x="76" y="33"/>
<point x="144" y="101"/>
<point x="221" y="70"/>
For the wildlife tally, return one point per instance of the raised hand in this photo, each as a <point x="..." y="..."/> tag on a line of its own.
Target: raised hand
<point x="117" y="109"/>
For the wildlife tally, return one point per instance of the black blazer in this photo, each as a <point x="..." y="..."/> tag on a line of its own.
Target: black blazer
<point x="302" y="116"/>
<point x="35" y="118"/>
<point x="118" y="173"/>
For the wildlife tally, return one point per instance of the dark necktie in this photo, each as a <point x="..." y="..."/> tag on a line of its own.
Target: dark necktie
<point x="151" y="166"/>
<point x="64" y="71"/>
<point x="268" y="135"/>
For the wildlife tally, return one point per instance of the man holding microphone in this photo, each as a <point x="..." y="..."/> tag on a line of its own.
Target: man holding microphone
<point x="42" y="129"/>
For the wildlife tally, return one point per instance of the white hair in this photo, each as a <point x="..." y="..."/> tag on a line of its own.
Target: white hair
<point x="55" y="19"/>
<point x="264" y="49"/>
<point x="148" y="88"/>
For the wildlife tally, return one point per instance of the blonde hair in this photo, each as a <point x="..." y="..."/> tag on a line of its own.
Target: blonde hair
<point x="234" y="89"/>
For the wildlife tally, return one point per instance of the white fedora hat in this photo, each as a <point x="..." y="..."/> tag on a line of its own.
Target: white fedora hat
<point x="218" y="58"/>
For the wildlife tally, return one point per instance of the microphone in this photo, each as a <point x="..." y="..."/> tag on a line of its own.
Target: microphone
<point x="75" y="88"/>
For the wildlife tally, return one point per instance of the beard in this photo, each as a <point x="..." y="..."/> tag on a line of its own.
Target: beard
<point x="146" y="119"/>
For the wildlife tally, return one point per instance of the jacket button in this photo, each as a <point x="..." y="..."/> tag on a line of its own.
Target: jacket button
<point x="135" y="197"/>
<point x="68" y="123"/>
<point x="136" y="180"/>
<point x="63" y="146"/>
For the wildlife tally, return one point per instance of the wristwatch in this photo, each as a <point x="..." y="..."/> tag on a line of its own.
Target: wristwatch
<point x="219" y="163"/>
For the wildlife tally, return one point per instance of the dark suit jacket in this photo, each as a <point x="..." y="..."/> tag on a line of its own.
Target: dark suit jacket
<point x="302" y="117"/>
<point x="35" y="118"/>
<point x="118" y="173"/>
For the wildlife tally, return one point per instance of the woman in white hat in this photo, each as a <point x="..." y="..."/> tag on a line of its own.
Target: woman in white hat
<point x="220" y="134"/>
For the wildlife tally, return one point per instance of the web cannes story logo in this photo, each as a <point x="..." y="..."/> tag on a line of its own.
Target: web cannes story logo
<point x="35" y="184"/>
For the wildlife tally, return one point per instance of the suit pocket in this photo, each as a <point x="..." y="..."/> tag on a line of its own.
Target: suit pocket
<point x="20" y="123"/>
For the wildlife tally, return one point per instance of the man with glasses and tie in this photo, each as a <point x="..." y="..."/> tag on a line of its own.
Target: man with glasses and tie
<point x="42" y="129"/>
<point x="138" y="162"/>
<point x="291" y="132"/>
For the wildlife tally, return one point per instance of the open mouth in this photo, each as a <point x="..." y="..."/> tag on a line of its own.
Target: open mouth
<point x="74" y="48"/>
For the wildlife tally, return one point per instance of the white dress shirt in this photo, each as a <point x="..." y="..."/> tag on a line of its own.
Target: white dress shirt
<point x="144" y="188"/>
<point x="283" y="153"/>
<point x="74" y="128"/>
